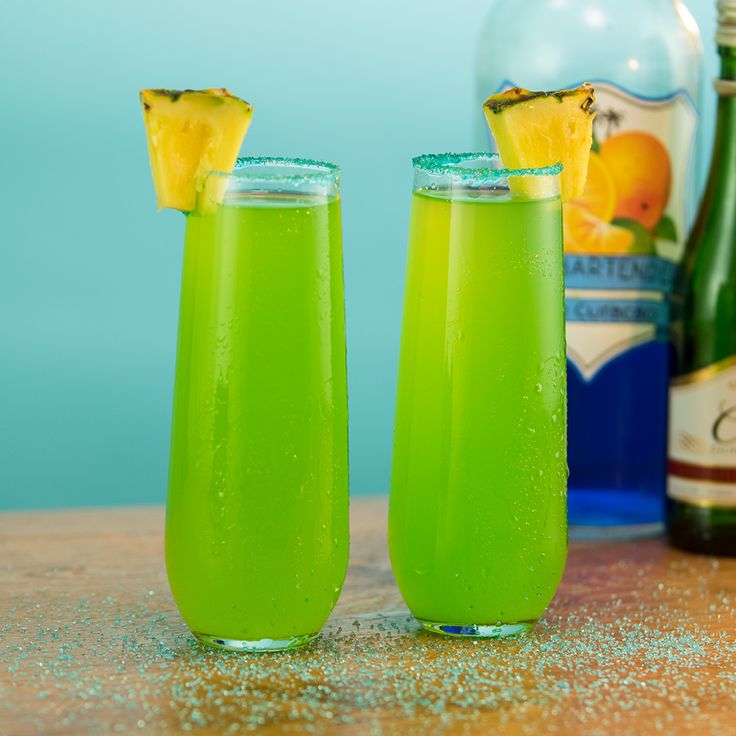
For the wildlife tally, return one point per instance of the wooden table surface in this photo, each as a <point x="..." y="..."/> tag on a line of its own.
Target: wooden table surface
<point x="639" y="640"/>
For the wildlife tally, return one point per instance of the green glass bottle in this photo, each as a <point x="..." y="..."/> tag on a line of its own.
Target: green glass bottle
<point x="701" y="484"/>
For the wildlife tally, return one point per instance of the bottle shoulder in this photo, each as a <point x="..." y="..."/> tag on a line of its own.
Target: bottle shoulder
<point x="704" y="304"/>
<point x="710" y="253"/>
<point x="564" y="43"/>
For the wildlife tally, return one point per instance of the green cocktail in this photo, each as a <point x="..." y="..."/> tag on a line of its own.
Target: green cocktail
<point x="477" y="525"/>
<point x="257" y="514"/>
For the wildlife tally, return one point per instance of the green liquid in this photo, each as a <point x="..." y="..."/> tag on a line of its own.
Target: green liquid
<point x="477" y="526"/>
<point x="257" y="514"/>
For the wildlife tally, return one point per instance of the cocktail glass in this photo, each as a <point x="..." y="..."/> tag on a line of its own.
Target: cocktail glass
<point x="257" y="512"/>
<point x="477" y="524"/>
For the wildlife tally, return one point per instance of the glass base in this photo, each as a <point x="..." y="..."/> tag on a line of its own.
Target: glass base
<point x="259" y="645"/>
<point x="478" y="631"/>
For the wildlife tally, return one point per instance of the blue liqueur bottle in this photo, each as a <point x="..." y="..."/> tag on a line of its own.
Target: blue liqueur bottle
<point x="623" y="238"/>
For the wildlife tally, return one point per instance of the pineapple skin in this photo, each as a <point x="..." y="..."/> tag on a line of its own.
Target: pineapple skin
<point x="498" y="102"/>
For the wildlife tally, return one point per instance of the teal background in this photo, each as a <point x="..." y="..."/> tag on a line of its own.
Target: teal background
<point x="89" y="272"/>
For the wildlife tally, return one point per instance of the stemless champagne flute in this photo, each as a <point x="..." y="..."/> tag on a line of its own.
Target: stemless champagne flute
<point x="257" y="512"/>
<point x="477" y="523"/>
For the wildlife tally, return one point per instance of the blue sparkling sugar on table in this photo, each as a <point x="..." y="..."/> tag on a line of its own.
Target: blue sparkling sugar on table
<point x="639" y="640"/>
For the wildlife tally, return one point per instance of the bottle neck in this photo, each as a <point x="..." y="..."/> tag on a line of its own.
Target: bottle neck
<point x="724" y="149"/>
<point x="728" y="62"/>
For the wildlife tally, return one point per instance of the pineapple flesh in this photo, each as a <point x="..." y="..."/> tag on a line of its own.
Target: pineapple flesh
<point x="534" y="129"/>
<point x="190" y="133"/>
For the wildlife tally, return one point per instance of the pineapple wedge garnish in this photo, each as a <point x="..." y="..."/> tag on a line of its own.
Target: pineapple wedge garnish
<point x="191" y="133"/>
<point x="534" y="129"/>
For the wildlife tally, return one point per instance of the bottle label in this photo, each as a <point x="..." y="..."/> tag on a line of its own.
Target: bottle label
<point x="626" y="234"/>
<point x="701" y="465"/>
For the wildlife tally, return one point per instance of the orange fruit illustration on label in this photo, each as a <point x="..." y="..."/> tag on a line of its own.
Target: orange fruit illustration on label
<point x="599" y="195"/>
<point x="586" y="233"/>
<point x="640" y="166"/>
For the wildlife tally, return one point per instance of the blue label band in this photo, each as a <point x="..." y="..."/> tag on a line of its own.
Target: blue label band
<point x="617" y="310"/>
<point x="619" y="272"/>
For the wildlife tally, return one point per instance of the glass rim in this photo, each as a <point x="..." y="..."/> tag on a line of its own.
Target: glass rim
<point x="294" y="170"/>
<point x="450" y="164"/>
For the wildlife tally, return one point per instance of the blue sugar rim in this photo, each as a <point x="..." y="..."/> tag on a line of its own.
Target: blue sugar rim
<point x="281" y="168"/>
<point x="449" y="164"/>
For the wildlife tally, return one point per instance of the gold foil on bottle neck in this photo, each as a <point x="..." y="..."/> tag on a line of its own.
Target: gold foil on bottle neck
<point x="725" y="87"/>
<point x="726" y="31"/>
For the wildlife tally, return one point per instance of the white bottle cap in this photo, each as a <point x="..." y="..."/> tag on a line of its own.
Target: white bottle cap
<point x="726" y="33"/>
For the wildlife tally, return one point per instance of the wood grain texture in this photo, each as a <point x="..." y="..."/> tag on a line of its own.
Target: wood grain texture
<point x="640" y="639"/>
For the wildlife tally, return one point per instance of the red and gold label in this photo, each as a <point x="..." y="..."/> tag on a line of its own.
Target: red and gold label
<point x="701" y="467"/>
